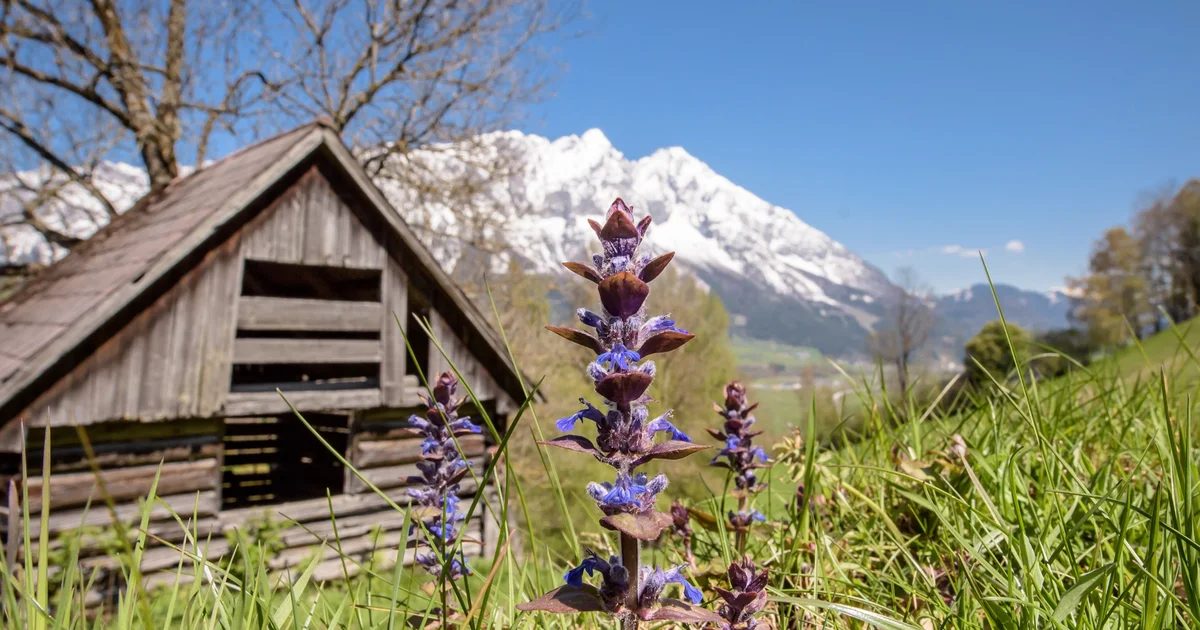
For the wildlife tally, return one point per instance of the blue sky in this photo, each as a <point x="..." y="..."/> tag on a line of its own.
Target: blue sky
<point x="914" y="133"/>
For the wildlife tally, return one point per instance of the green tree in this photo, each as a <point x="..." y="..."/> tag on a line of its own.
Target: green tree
<point x="988" y="352"/>
<point x="1071" y="344"/>
<point x="1114" y="296"/>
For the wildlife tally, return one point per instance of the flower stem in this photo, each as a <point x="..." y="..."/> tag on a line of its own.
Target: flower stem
<point x="631" y="559"/>
<point x="740" y="536"/>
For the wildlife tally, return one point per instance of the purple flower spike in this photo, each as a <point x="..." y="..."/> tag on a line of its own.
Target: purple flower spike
<point x="441" y="471"/>
<point x="740" y="455"/>
<point x="625" y="435"/>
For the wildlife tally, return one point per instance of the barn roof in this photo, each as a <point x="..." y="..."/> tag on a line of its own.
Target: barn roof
<point x="75" y="304"/>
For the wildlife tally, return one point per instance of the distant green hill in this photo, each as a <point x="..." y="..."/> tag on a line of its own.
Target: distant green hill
<point x="1163" y="350"/>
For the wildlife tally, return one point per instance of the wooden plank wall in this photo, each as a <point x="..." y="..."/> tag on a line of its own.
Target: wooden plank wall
<point x="170" y="361"/>
<point x="395" y="352"/>
<point x="310" y="225"/>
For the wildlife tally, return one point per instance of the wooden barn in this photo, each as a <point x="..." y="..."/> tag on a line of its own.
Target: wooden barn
<point x="166" y="335"/>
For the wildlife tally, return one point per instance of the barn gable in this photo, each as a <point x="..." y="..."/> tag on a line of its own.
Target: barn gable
<point x="167" y="335"/>
<point x="95" y="327"/>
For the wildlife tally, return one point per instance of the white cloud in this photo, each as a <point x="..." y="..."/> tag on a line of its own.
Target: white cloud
<point x="959" y="250"/>
<point x="1014" y="246"/>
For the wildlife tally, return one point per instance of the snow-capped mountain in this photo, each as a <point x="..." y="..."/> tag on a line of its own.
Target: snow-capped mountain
<point x="780" y="277"/>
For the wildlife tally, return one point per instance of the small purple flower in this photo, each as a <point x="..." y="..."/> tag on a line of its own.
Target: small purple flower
<point x="654" y="580"/>
<point x="619" y="357"/>
<point x="589" y="412"/>
<point x="662" y="323"/>
<point x="662" y="424"/>
<point x="629" y="493"/>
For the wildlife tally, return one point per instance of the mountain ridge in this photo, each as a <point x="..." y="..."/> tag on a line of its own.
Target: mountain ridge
<point x="779" y="277"/>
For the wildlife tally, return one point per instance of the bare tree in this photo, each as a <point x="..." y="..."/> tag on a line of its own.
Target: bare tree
<point x="94" y="80"/>
<point x="905" y="328"/>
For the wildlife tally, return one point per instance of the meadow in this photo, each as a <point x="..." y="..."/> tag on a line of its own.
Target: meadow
<point x="1071" y="503"/>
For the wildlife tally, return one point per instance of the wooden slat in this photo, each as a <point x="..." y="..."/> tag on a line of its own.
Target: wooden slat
<point x="255" y="403"/>
<point x="271" y="313"/>
<point x="387" y="477"/>
<point x="199" y="449"/>
<point x="395" y="354"/>
<point x="362" y="546"/>
<point x="130" y="513"/>
<point x="258" y="351"/>
<point x="124" y="484"/>
<point x="369" y="453"/>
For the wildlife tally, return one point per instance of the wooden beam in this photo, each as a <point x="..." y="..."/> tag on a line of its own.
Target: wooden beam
<point x="370" y="453"/>
<point x="266" y="403"/>
<point x="387" y="477"/>
<point x="306" y="351"/>
<point x="124" y="484"/>
<point x="271" y="313"/>
<point x="202" y="503"/>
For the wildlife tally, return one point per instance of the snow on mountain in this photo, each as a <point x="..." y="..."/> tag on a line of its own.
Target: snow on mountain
<point x="786" y="279"/>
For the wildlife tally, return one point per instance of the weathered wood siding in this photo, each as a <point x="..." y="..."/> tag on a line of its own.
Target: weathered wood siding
<point x="468" y="365"/>
<point x="395" y="353"/>
<point x="311" y="225"/>
<point x="171" y="361"/>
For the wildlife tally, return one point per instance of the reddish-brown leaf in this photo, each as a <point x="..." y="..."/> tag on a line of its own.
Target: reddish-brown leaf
<point x="584" y="270"/>
<point x="656" y="266"/>
<point x="644" y="225"/>
<point x="715" y="433"/>
<point x="664" y="342"/>
<point x="618" y="225"/>
<point x="577" y="336"/>
<point x="624" y="387"/>
<point x="671" y="449"/>
<point x="576" y="443"/>
<point x="644" y="526"/>
<point x="566" y="600"/>
<point x="680" y="611"/>
<point x="622" y="294"/>
<point x="596" y="227"/>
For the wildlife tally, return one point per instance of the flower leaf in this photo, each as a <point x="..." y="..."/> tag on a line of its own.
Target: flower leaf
<point x="583" y="270"/>
<point x="671" y="449"/>
<point x="676" y="610"/>
<point x="622" y="294"/>
<point x="624" y="387"/>
<point x="576" y="443"/>
<point x="566" y="600"/>
<point x="644" y="526"/>
<point x="656" y="266"/>
<point x="665" y="341"/>
<point x="577" y="336"/>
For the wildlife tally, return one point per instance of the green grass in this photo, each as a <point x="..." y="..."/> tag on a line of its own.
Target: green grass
<point x="1171" y="349"/>
<point x="1066" y="504"/>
